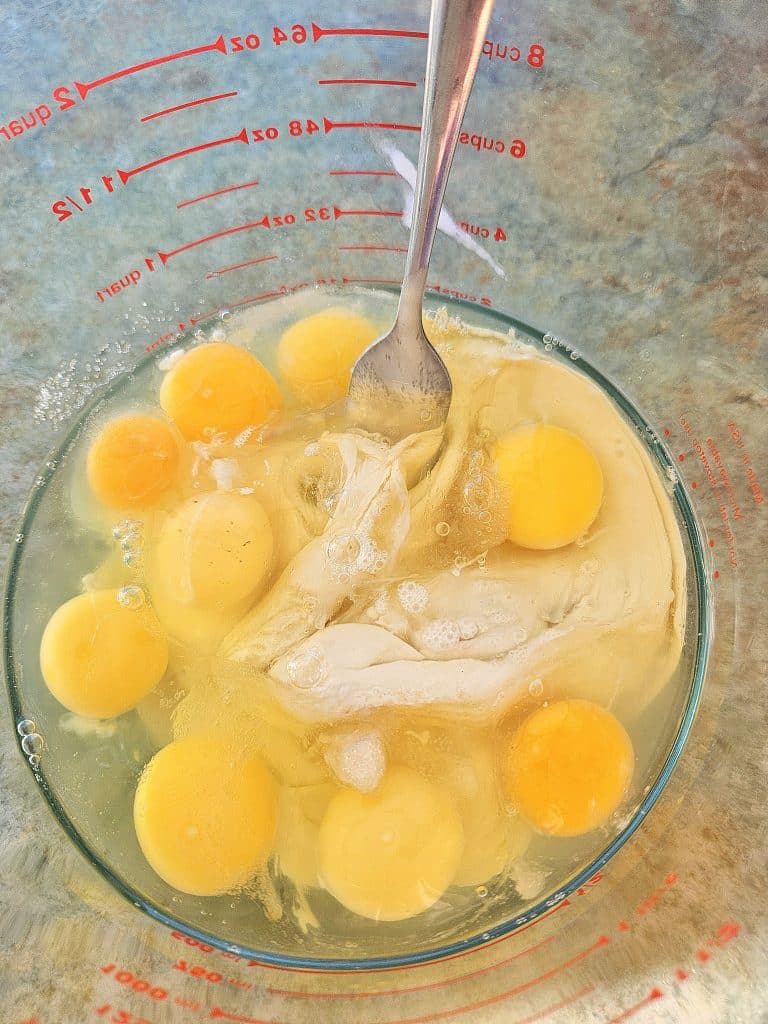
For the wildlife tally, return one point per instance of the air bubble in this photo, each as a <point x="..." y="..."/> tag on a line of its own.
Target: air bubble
<point x="32" y="744"/>
<point x="34" y="760"/>
<point x="344" y="549"/>
<point x="225" y="316"/>
<point x="442" y="529"/>
<point x="478" y="493"/>
<point x="468" y="629"/>
<point x="25" y="727"/>
<point x="307" y="669"/>
<point x="484" y="516"/>
<point x="412" y="596"/>
<point x="127" y="528"/>
<point x="131" y="597"/>
<point x="536" y="688"/>
<point x="482" y="891"/>
<point x="476" y="461"/>
<point x="441" y="634"/>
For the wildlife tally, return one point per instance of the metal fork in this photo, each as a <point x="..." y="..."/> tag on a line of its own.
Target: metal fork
<point x="400" y="385"/>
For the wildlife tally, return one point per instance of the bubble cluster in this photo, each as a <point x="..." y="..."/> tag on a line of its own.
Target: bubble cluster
<point x="131" y="597"/>
<point x="412" y="596"/>
<point x="67" y="390"/>
<point x="349" y="555"/>
<point x="478" y="489"/>
<point x="308" y="668"/>
<point x="468" y="629"/>
<point x="128" y="534"/>
<point x="32" y="742"/>
<point x="588" y="568"/>
<point x="357" y="759"/>
<point x="441" y="634"/>
<point x="344" y="549"/>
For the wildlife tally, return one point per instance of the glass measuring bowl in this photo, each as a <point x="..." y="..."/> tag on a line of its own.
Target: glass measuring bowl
<point x="100" y="817"/>
<point x="88" y="169"/>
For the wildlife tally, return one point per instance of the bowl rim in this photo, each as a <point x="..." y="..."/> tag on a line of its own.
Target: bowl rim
<point x="554" y="347"/>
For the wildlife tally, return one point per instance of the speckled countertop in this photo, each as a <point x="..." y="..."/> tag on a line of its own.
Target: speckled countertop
<point x="634" y="225"/>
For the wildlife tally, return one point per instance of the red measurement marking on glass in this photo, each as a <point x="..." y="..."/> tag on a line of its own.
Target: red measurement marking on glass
<point x="653" y="995"/>
<point x="186" y="106"/>
<point x="257" y="298"/>
<point x="454" y="293"/>
<point x="372" y="248"/>
<point x="84" y="88"/>
<point x="338" y="212"/>
<point x="441" y="960"/>
<point x="364" y="81"/>
<point x="726" y="933"/>
<point x="498" y="235"/>
<point x="139" y="985"/>
<point x="415" y="988"/>
<point x="503" y="51"/>
<point x="329" y="125"/>
<point x="218" y="192"/>
<point x="588" y="990"/>
<point x="241" y="136"/>
<point x="754" y="484"/>
<point x="394" y="33"/>
<point x="121" y="1016"/>
<point x="128" y="280"/>
<point x="194" y="971"/>
<point x="217" y="273"/>
<point x="165" y="256"/>
<point x="372" y="174"/>
<point x="509" y="993"/>
<point x="17" y="126"/>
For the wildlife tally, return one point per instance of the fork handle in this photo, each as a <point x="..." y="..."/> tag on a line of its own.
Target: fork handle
<point x="457" y="29"/>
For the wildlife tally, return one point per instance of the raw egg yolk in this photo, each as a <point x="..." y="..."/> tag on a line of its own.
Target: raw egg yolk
<point x="204" y="815"/>
<point x="214" y="551"/>
<point x="132" y="462"/>
<point x="100" y="658"/>
<point x="315" y="356"/>
<point x="390" y="854"/>
<point x="568" y="767"/>
<point x="553" y="483"/>
<point x="218" y="389"/>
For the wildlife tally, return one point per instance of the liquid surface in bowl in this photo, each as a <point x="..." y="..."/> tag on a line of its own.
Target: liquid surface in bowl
<point x="375" y="675"/>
